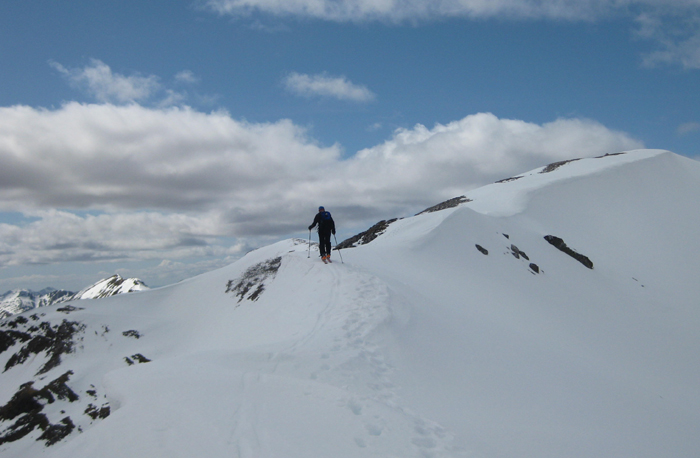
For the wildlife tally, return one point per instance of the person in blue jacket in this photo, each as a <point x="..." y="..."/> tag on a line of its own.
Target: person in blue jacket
<point x="326" y="227"/>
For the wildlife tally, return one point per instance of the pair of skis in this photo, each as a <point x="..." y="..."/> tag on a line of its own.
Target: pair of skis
<point x="326" y="260"/>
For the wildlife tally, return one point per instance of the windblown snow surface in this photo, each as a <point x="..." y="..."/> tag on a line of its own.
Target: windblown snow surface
<point x="418" y="344"/>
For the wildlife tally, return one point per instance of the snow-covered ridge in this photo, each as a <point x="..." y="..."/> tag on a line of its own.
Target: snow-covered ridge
<point x="510" y="196"/>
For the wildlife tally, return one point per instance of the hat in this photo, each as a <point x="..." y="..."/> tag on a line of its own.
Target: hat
<point x="321" y="208"/>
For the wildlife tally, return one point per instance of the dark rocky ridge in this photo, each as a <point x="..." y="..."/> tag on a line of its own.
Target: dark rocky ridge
<point x="367" y="236"/>
<point x="561" y="246"/>
<point x="450" y="203"/>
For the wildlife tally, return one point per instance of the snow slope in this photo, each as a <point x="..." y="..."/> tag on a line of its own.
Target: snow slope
<point x="419" y="344"/>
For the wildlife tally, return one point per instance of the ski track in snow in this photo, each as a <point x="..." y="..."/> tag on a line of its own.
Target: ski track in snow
<point x="339" y="352"/>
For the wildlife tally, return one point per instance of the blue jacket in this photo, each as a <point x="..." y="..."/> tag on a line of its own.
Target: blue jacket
<point x="325" y="222"/>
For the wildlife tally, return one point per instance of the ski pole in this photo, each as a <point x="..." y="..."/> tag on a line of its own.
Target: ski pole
<point x="338" y="249"/>
<point x="309" y="255"/>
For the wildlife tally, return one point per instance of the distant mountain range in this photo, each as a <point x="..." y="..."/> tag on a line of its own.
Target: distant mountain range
<point x="21" y="300"/>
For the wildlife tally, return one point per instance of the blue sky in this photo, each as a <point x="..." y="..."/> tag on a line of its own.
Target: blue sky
<point x="160" y="139"/>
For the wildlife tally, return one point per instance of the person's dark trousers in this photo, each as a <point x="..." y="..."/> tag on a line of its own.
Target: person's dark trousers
<point x="324" y="240"/>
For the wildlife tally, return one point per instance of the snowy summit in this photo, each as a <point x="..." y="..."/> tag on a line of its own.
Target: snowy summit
<point x="110" y="287"/>
<point x="552" y="314"/>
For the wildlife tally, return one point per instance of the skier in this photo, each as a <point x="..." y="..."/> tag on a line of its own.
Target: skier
<point x="326" y="227"/>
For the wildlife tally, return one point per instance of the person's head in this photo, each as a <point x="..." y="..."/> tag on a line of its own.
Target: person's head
<point x="321" y="209"/>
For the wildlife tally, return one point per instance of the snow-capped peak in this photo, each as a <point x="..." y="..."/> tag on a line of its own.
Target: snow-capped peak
<point x="111" y="286"/>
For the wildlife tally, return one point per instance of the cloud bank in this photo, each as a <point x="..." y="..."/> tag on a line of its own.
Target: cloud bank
<point x="171" y="183"/>
<point x="403" y="10"/>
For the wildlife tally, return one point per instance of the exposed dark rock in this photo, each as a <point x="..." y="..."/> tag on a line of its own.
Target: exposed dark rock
<point x="555" y="165"/>
<point x="610" y="154"/>
<point x="20" y="320"/>
<point x="252" y="283"/>
<point x="94" y="412"/>
<point x="26" y="407"/>
<point x="55" y="340"/>
<point x="517" y="253"/>
<point x="367" y="236"/>
<point x="514" y="250"/>
<point x="506" y="236"/>
<point x="132" y="333"/>
<point x="60" y="388"/>
<point x="482" y="249"/>
<point x="446" y="204"/>
<point x="535" y="268"/>
<point x="137" y="358"/>
<point x="11" y="337"/>
<point x="55" y="433"/>
<point x="561" y="246"/>
<point x="507" y="180"/>
<point x="68" y="309"/>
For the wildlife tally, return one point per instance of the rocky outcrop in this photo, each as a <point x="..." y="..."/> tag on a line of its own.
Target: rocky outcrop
<point x="559" y="244"/>
<point x="252" y="283"/>
<point x="363" y="238"/>
<point x="451" y="203"/>
<point x="26" y="409"/>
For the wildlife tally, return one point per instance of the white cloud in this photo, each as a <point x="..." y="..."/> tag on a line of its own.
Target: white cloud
<point x="450" y="159"/>
<point x="179" y="184"/>
<point x="411" y="10"/>
<point x="186" y="76"/>
<point x="323" y="85"/>
<point x="673" y="26"/>
<point x="677" y="39"/>
<point x="176" y="183"/>
<point x="99" y="81"/>
<point x="688" y="128"/>
<point x="124" y="158"/>
<point x="401" y="10"/>
<point x="61" y="236"/>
